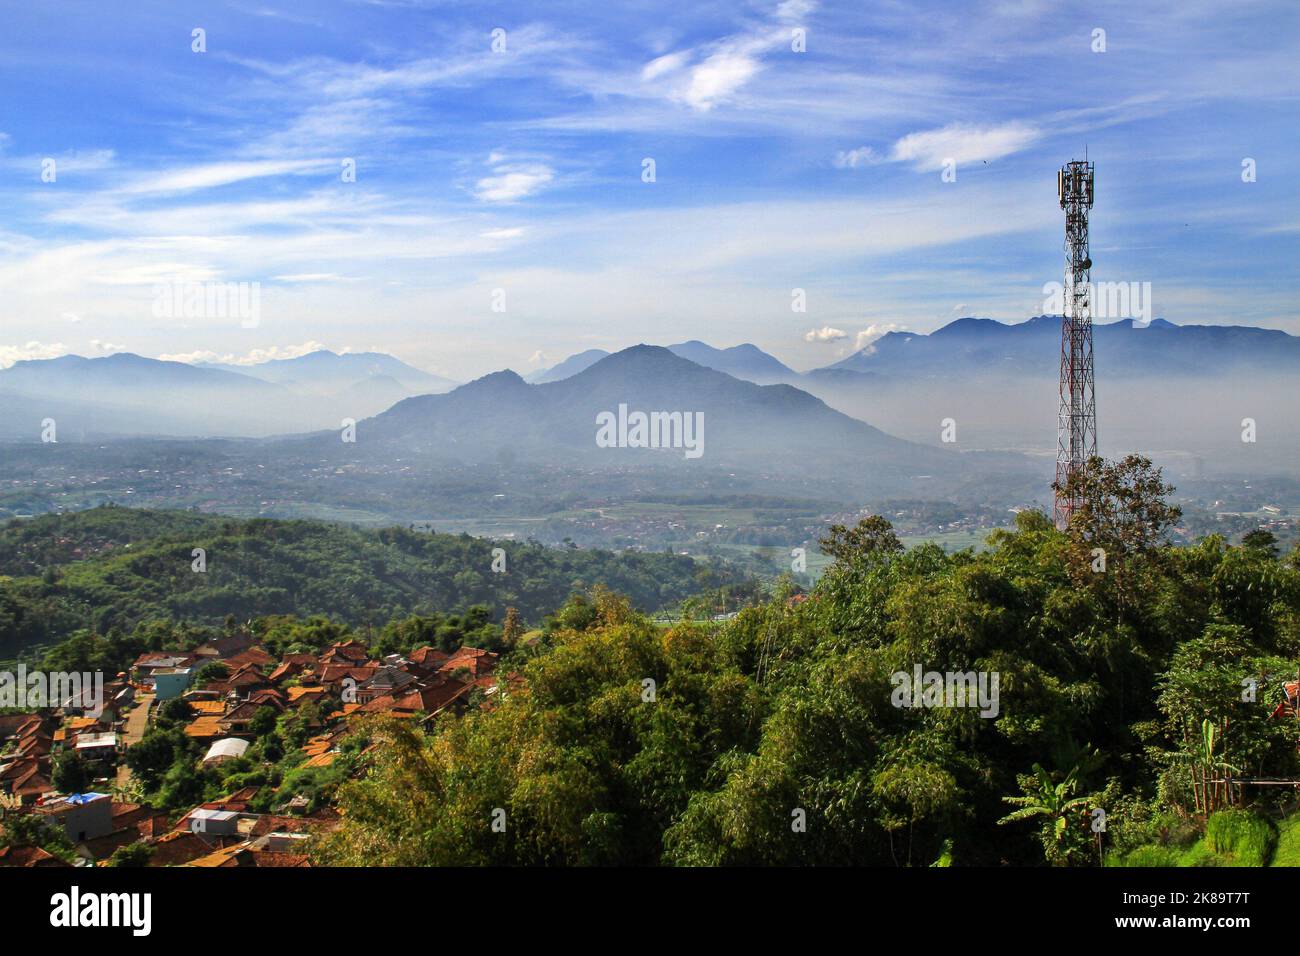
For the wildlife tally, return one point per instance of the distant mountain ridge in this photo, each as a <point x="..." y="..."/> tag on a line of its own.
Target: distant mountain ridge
<point x="129" y="394"/>
<point x="744" y="361"/>
<point x="570" y="366"/>
<point x="1179" y="391"/>
<point x="326" y="367"/>
<point x="979" y="347"/>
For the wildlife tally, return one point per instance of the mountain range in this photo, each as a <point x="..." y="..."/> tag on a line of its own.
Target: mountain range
<point x="1180" y="389"/>
<point x="759" y="425"/>
<point x="984" y="348"/>
<point x="325" y="371"/>
<point x="775" y="438"/>
<point x="127" y="394"/>
<point x="1180" y="393"/>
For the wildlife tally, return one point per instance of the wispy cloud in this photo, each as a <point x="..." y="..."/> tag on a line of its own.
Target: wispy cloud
<point x="223" y="174"/>
<point x="963" y="143"/>
<point x="707" y="75"/>
<point x="853" y="158"/>
<point x="778" y="170"/>
<point x="252" y="357"/>
<point x="510" y="182"/>
<point x="9" y="354"/>
<point x="316" y="277"/>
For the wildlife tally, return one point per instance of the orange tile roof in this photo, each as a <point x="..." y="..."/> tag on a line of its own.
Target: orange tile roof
<point x="316" y="746"/>
<point x="208" y="707"/>
<point x="296" y="693"/>
<point x="223" y="857"/>
<point x="206" y="726"/>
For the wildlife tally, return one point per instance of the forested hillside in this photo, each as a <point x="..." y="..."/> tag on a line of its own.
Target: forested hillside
<point x="1131" y="677"/>
<point x="111" y="568"/>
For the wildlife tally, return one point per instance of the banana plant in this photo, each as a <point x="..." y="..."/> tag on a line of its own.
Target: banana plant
<point x="1052" y="801"/>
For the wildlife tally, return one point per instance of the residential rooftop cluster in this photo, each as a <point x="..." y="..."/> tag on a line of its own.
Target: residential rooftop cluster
<point x="225" y="708"/>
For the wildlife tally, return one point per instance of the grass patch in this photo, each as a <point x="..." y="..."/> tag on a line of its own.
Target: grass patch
<point x="1240" y="838"/>
<point x="1232" y="838"/>
<point x="1287" y="852"/>
<point x="1150" y="855"/>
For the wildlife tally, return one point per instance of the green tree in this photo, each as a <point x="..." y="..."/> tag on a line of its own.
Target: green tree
<point x="70" y="773"/>
<point x="211" y="672"/>
<point x="133" y="854"/>
<point x="153" y="756"/>
<point x="1261" y="539"/>
<point x="872" y="539"/>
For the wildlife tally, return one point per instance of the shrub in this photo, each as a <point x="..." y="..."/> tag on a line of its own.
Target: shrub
<point x="1242" y="836"/>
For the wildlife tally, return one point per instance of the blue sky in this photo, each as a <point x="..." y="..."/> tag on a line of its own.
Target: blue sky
<point x="521" y="170"/>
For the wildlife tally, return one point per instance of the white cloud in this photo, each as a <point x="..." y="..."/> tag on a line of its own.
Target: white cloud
<point x="538" y="358"/>
<point x="221" y="174"/>
<point x="73" y="161"/>
<point x="99" y="345"/>
<point x="794" y="10"/>
<point x="252" y="357"/>
<point x="722" y="68"/>
<point x="32" y="350"/>
<point x="718" y="77"/>
<point x="668" y="63"/>
<point x="875" y="331"/>
<point x="825" y="334"/>
<point x="197" y="357"/>
<point x="315" y="277"/>
<point x="511" y="182"/>
<point x="853" y="158"/>
<point x="963" y="143"/>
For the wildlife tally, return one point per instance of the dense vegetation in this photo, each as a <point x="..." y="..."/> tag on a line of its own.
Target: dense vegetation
<point x="112" y="570"/>
<point x="1133" y="675"/>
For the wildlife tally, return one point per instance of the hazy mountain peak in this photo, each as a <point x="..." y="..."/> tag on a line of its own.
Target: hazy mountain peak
<point x="639" y="358"/>
<point x="746" y="361"/>
<point x="504" y="379"/>
<point x="316" y="355"/>
<point x="970" y="325"/>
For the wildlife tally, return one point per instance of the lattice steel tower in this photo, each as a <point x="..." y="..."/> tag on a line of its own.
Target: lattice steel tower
<point x="1076" y="423"/>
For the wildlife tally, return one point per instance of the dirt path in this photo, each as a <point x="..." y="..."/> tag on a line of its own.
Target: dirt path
<point x="137" y="722"/>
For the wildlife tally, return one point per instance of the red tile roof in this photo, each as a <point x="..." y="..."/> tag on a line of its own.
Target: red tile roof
<point x="28" y="856"/>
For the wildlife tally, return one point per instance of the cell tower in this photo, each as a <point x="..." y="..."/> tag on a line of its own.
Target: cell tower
<point x="1076" y="422"/>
